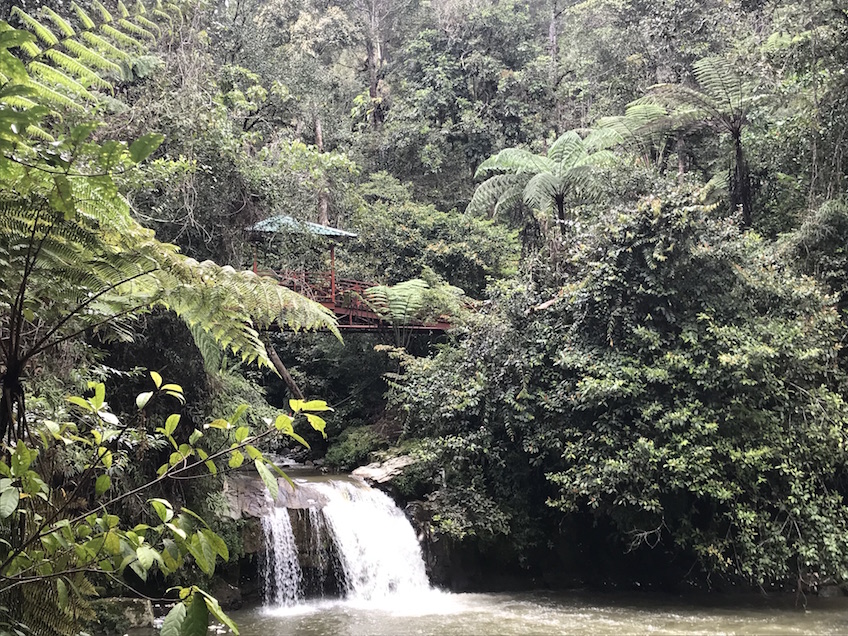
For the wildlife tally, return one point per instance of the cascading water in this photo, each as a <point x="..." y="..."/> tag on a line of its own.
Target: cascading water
<point x="379" y="553"/>
<point x="282" y="573"/>
<point x="356" y="537"/>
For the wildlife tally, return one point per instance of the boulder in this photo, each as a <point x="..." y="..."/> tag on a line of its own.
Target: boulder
<point x="121" y="615"/>
<point x="382" y="472"/>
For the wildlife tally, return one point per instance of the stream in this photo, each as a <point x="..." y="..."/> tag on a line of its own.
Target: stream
<point x="444" y="614"/>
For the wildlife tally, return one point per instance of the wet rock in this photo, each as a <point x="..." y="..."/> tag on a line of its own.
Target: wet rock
<point x="252" y="537"/>
<point x="829" y="591"/>
<point x="229" y="596"/>
<point x="382" y="472"/>
<point x="121" y="615"/>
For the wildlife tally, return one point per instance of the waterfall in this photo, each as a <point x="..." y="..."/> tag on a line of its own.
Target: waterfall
<point x="282" y="575"/>
<point x="357" y="543"/>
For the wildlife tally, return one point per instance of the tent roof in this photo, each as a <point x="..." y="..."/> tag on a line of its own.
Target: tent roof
<point x="285" y="222"/>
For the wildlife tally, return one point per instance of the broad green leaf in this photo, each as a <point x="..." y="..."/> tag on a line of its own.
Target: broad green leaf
<point x="284" y="423"/>
<point x="144" y="146"/>
<point x="236" y="459"/>
<point x="315" y="405"/>
<point x="241" y="434"/>
<point x="62" y="590"/>
<point x="171" y="423"/>
<point x="80" y="402"/>
<point x="103" y="483"/>
<point x="217" y="543"/>
<point x="8" y="502"/>
<point x="143" y="398"/>
<point x="157" y="379"/>
<point x="146" y="556"/>
<point x="196" y="622"/>
<point x="163" y="508"/>
<point x="173" y="623"/>
<point x="269" y="479"/>
<point x="240" y="411"/>
<point x="219" y="614"/>
<point x="317" y="423"/>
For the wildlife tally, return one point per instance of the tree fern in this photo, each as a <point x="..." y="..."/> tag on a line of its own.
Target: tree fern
<point x="545" y="183"/>
<point x="722" y="100"/>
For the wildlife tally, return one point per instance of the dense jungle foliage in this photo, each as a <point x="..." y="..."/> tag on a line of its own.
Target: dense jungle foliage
<point x="634" y="214"/>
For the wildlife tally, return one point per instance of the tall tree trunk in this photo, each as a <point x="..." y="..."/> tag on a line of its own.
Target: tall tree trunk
<point x="283" y="371"/>
<point x="374" y="61"/>
<point x="553" y="65"/>
<point x="319" y="133"/>
<point x="680" y="149"/>
<point x="740" y="190"/>
<point x="323" y="194"/>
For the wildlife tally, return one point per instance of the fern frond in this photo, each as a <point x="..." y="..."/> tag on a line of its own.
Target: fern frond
<point x="122" y="9"/>
<point x="514" y="160"/>
<point x="150" y="25"/>
<point x="398" y="304"/>
<point x="120" y="37"/>
<point x="63" y="25"/>
<point x="40" y="133"/>
<point x="51" y="96"/>
<point x="31" y="49"/>
<point x="163" y="16"/>
<point x="42" y="32"/>
<point x="104" y="12"/>
<point x="490" y="193"/>
<point x="82" y="16"/>
<point x="720" y="82"/>
<point x="76" y="67"/>
<point x="105" y="46"/>
<point x="540" y="191"/>
<point x="91" y="58"/>
<point x="137" y="30"/>
<point x="58" y="78"/>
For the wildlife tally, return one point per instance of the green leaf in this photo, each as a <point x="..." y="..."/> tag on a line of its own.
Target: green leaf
<point x="171" y="423"/>
<point x="62" y="590"/>
<point x="284" y="423"/>
<point x="21" y="459"/>
<point x="315" y="405"/>
<point x="163" y="508"/>
<point x="241" y="434"/>
<point x="80" y="402"/>
<point x="236" y="459"/>
<point x="216" y="611"/>
<point x="9" y="499"/>
<point x="317" y="423"/>
<point x="157" y="379"/>
<point x="143" y="398"/>
<point x="144" y="146"/>
<point x="146" y="556"/>
<point x="103" y="483"/>
<point x="173" y="623"/>
<point x="217" y="543"/>
<point x="269" y="479"/>
<point x="196" y="622"/>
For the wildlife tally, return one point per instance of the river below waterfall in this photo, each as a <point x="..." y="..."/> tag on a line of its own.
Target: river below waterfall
<point x="341" y="559"/>
<point x="523" y="614"/>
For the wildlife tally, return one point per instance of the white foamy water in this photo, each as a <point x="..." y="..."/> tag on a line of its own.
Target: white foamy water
<point x="282" y="576"/>
<point x="376" y="560"/>
<point x="378" y="550"/>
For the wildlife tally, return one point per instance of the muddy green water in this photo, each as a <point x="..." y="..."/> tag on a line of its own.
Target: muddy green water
<point x="442" y="614"/>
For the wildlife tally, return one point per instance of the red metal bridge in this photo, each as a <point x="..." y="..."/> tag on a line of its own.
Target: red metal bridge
<point x="345" y="298"/>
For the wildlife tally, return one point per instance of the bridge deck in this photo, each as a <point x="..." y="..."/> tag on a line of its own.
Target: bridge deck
<point x="344" y="297"/>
